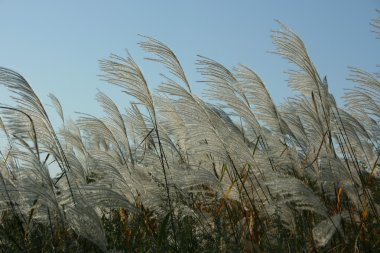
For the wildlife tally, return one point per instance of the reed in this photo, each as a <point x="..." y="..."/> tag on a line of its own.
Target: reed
<point x="227" y="170"/>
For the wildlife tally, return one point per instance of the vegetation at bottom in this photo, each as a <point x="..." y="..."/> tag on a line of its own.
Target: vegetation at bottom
<point x="224" y="171"/>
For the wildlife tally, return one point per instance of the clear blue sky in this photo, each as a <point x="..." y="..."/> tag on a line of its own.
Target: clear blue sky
<point x="56" y="45"/>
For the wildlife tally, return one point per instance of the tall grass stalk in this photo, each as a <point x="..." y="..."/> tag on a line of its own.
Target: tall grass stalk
<point x="227" y="170"/>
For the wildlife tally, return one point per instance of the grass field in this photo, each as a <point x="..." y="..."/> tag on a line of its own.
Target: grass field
<point x="225" y="171"/>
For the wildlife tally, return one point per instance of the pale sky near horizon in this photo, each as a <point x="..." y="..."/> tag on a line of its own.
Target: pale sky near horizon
<point x="56" y="45"/>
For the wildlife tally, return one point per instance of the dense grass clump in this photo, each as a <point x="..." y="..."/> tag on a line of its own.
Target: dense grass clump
<point x="228" y="171"/>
